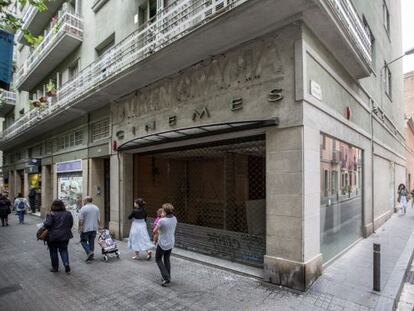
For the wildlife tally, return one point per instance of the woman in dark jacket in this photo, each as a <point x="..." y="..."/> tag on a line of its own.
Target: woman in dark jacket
<point x="59" y="222"/>
<point x="5" y="210"/>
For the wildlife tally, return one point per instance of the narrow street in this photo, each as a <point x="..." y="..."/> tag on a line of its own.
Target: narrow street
<point x="27" y="284"/>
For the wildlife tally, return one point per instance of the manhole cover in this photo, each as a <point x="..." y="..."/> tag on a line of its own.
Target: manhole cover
<point x="410" y="277"/>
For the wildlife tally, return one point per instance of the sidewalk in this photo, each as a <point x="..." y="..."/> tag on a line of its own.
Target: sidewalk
<point x="27" y="284"/>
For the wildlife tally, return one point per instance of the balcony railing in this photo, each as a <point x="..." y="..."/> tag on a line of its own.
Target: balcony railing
<point x="7" y="96"/>
<point x="347" y="16"/>
<point x="167" y="26"/>
<point x="68" y="23"/>
<point x="170" y="24"/>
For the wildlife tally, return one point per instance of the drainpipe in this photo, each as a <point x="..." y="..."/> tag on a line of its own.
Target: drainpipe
<point x="372" y="164"/>
<point x="119" y="195"/>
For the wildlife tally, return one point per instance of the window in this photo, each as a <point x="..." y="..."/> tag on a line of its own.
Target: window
<point x="105" y="45"/>
<point x="100" y="129"/>
<point x="69" y="140"/>
<point x="387" y="81"/>
<point x="98" y="4"/>
<point x="341" y="205"/>
<point x="370" y="37"/>
<point x="78" y="137"/>
<point x="386" y="17"/>
<point x="74" y="70"/>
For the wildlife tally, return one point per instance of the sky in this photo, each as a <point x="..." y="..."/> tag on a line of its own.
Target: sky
<point x="408" y="32"/>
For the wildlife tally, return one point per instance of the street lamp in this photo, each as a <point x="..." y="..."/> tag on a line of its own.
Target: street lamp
<point x="374" y="109"/>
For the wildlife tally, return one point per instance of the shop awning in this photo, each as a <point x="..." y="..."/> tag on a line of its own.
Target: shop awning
<point x="195" y="132"/>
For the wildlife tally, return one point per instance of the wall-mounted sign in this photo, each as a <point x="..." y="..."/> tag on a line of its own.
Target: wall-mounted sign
<point x="69" y="166"/>
<point x="316" y="90"/>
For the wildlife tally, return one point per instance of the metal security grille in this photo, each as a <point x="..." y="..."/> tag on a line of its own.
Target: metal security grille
<point x="219" y="195"/>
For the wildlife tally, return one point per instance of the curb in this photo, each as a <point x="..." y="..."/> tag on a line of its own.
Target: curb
<point x="392" y="290"/>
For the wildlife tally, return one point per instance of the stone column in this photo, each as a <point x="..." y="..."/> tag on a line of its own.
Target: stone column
<point x="54" y="182"/>
<point x="17" y="183"/>
<point x="121" y="173"/>
<point x="293" y="256"/>
<point x="26" y="186"/>
<point x="46" y="189"/>
<point x="12" y="186"/>
<point x="96" y="185"/>
<point x="85" y="178"/>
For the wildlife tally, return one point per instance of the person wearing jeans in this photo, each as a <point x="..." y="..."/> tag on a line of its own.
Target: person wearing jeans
<point x="59" y="223"/>
<point x="88" y="225"/>
<point x="87" y="240"/>
<point x="21" y="205"/>
<point x="166" y="240"/>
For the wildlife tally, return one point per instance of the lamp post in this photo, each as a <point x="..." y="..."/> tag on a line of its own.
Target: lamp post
<point x="373" y="109"/>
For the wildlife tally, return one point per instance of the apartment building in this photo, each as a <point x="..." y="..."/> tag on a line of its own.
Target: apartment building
<point x="275" y="127"/>
<point x="409" y="127"/>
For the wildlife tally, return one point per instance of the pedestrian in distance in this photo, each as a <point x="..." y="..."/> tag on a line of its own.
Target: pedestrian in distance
<point x="59" y="223"/>
<point x="89" y="221"/>
<point x="166" y="240"/>
<point x="402" y="197"/>
<point x="78" y="203"/>
<point x="139" y="240"/>
<point x="21" y="206"/>
<point x="5" y="210"/>
<point x="32" y="199"/>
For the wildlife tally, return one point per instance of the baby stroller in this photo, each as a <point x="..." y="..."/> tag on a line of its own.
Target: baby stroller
<point x="107" y="244"/>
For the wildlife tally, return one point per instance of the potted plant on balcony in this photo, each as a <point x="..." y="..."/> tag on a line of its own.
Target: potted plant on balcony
<point x="51" y="89"/>
<point x="36" y="103"/>
<point x="43" y="99"/>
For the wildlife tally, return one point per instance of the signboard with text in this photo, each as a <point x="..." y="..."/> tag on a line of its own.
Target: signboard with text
<point x="69" y="166"/>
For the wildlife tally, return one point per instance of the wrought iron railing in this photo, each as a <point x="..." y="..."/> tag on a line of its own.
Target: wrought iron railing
<point x="351" y="23"/>
<point x="68" y="22"/>
<point x="168" y="25"/>
<point x="7" y="96"/>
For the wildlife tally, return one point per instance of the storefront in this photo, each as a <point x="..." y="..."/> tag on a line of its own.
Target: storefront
<point x="219" y="194"/>
<point x="69" y="179"/>
<point x="34" y="180"/>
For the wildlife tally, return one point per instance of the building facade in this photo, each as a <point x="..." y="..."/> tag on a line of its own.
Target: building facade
<point x="274" y="127"/>
<point x="409" y="127"/>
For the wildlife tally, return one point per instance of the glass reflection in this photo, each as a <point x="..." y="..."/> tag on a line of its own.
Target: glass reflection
<point x="341" y="195"/>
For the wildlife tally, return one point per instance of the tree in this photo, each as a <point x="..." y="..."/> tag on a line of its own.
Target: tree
<point x="10" y="22"/>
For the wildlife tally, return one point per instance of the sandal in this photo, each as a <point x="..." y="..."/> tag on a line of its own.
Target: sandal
<point x="149" y="255"/>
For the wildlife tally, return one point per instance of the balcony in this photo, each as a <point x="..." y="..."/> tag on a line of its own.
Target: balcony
<point x="338" y="26"/>
<point x="62" y="39"/>
<point x="171" y="41"/>
<point x="35" y="21"/>
<point x="7" y="102"/>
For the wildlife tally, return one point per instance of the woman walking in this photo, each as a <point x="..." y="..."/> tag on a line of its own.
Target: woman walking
<point x="59" y="222"/>
<point x="402" y="197"/>
<point x="21" y="205"/>
<point x="5" y="210"/>
<point x="139" y="240"/>
<point x="166" y="240"/>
